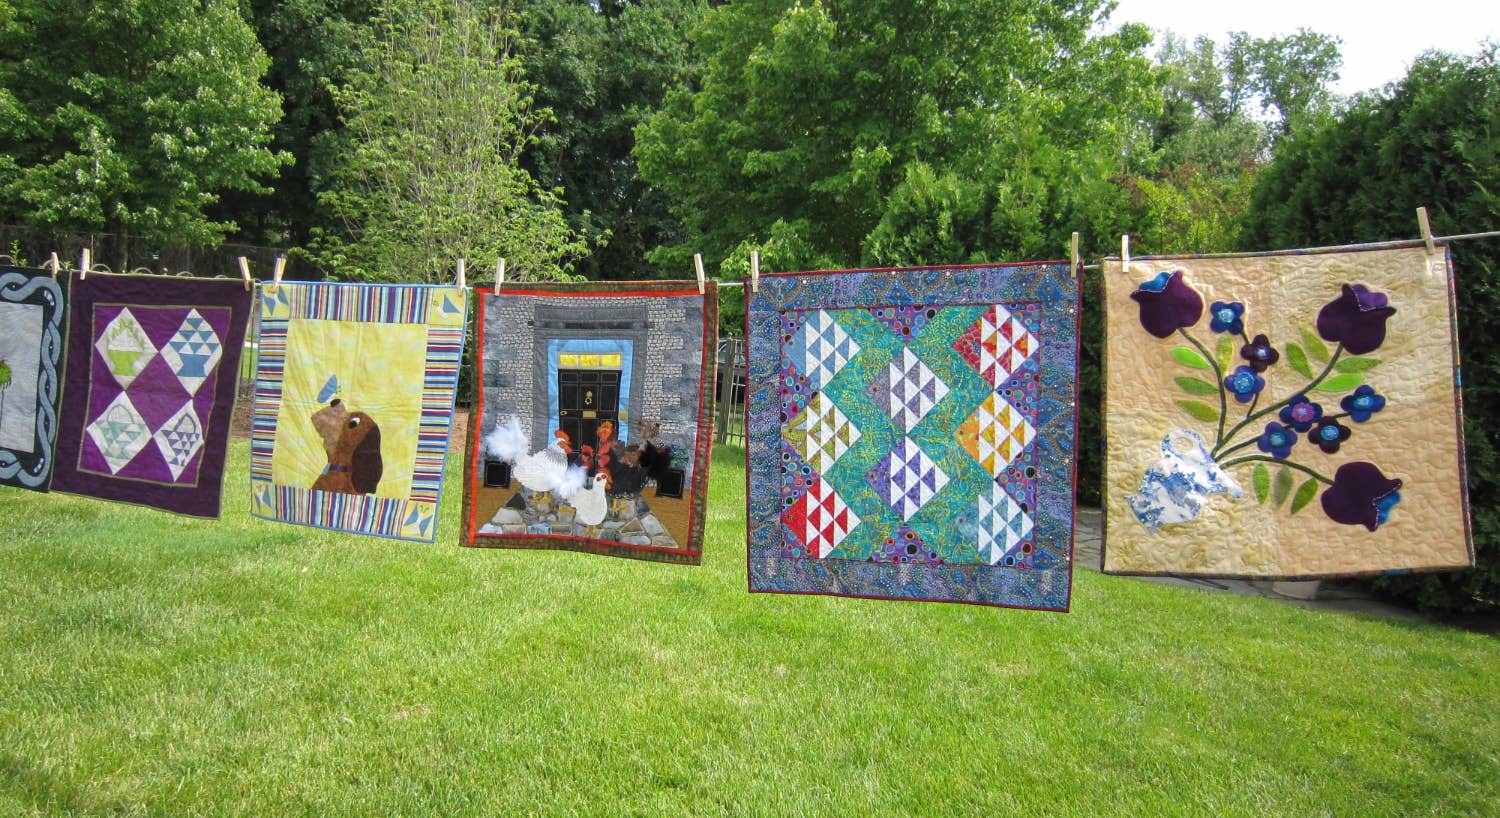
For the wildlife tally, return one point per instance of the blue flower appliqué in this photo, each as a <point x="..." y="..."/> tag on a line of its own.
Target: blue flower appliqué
<point x="1301" y="413"/>
<point x="1227" y="316"/>
<point x="1329" y="435"/>
<point x="1244" y="384"/>
<point x="1276" y="440"/>
<point x="1364" y="402"/>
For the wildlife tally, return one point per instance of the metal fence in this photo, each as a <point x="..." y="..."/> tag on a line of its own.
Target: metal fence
<point x="729" y="408"/>
<point x="129" y="254"/>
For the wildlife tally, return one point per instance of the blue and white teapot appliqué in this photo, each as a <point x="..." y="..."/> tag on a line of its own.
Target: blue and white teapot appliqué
<point x="1176" y="487"/>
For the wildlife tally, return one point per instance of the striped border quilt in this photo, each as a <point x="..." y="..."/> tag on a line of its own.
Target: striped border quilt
<point x="354" y="393"/>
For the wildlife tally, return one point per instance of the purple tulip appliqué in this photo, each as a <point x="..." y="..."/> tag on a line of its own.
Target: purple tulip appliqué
<point x="1227" y="317"/>
<point x="1361" y="495"/>
<point x="1259" y="353"/>
<point x="1363" y="403"/>
<point x="1301" y="413"/>
<point x="1355" y="319"/>
<point x="1168" y="304"/>
<point x="1244" y="384"/>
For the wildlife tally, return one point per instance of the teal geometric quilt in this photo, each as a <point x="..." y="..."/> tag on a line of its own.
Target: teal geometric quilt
<point x="911" y="434"/>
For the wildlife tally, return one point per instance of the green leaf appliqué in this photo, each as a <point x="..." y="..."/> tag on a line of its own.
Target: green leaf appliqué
<point x="1196" y="386"/>
<point x="1190" y="358"/>
<point x="1305" y="494"/>
<point x="1316" y="349"/>
<point x="1341" y="383"/>
<point x="1282" y="487"/>
<point x="1261" y="479"/>
<point x="1199" y="410"/>
<point x="1356" y="364"/>
<point x="1297" y="359"/>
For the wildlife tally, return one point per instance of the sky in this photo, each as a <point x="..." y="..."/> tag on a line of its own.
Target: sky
<point x="1380" y="38"/>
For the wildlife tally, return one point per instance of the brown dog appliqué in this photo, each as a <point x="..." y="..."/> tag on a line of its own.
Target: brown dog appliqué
<point x="352" y="440"/>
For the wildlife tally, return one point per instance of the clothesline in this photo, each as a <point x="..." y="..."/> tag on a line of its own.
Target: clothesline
<point x="1373" y="245"/>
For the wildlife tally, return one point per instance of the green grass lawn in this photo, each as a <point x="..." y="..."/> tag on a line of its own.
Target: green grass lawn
<point x="151" y="664"/>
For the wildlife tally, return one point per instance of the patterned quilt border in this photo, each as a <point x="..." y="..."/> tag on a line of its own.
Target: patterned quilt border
<point x="1050" y="283"/>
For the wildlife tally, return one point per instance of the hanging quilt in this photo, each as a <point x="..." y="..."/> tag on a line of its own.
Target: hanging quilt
<point x="1288" y="415"/>
<point x="911" y="434"/>
<point x="32" y="315"/>
<point x="353" y="405"/>
<point x="593" y="424"/>
<point x="153" y="362"/>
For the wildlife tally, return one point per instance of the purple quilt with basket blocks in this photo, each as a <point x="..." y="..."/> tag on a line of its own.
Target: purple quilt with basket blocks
<point x="153" y="365"/>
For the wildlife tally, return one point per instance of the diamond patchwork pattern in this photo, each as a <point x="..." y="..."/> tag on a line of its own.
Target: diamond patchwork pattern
<point x="995" y="434"/>
<point x="826" y="347"/>
<point x="906" y="478"/>
<point x="821" y="519"/>
<point x="193" y="352"/>
<point x="125" y="347"/>
<point x="914" y="390"/>
<point x="996" y="345"/>
<point x="1003" y="524"/>
<point x="908" y="471"/>
<point x="120" y="432"/>
<point x="821" y="433"/>
<point x="179" y="439"/>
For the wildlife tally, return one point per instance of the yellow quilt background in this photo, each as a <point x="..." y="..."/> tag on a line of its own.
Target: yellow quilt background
<point x="379" y="369"/>
<point x="1415" y="438"/>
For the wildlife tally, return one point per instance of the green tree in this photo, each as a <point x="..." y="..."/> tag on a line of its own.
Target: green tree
<point x="889" y="132"/>
<point x="1431" y="139"/>
<point x="1191" y="193"/>
<point x="312" y="45"/>
<point x="131" y="117"/>
<point x="438" y="113"/>
<point x="602" y="68"/>
<point x="823" y="132"/>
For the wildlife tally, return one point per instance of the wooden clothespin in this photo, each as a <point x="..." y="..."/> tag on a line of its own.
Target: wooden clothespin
<point x="84" y="262"/>
<point x="56" y="265"/>
<point x="702" y="279"/>
<point x="245" y="272"/>
<point x="1073" y="254"/>
<point x="754" y="271"/>
<point x="1426" y="228"/>
<point x="1125" y="252"/>
<point x="500" y="273"/>
<point x="462" y="268"/>
<point x="277" y="271"/>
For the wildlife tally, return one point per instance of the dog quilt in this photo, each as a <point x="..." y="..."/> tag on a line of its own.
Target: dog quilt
<point x="33" y="312"/>
<point x="153" y="363"/>
<point x="354" y="400"/>
<point x="593" y="424"/>
<point x="911" y="434"/>
<point x="1287" y="415"/>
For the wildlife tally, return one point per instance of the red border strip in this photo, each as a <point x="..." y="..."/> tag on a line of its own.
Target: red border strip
<point x="611" y="294"/>
<point x="703" y="449"/>
<point x="934" y="267"/>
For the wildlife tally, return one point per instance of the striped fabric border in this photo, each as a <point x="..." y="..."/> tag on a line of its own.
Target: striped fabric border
<point x="374" y="304"/>
<point x="363" y="513"/>
<point x="444" y="348"/>
<point x="386" y="304"/>
<point x="269" y="371"/>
